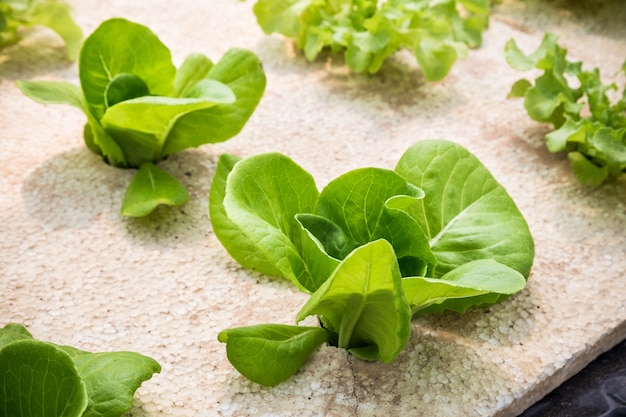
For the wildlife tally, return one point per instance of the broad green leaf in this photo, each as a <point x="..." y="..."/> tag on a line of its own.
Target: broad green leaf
<point x="123" y="372"/>
<point x="57" y="16"/>
<point x="229" y="233"/>
<point x="269" y="354"/>
<point x="151" y="187"/>
<point x="363" y="303"/>
<point x="260" y="199"/>
<point x="55" y="92"/>
<point x="333" y="239"/>
<point x="47" y="375"/>
<point x="280" y="16"/>
<point x="468" y="285"/>
<point x="242" y="72"/>
<point x="142" y="125"/>
<point x="123" y="87"/>
<point x="38" y="379"/>
<point x="211" y="90"/>
<point x="323" y="245"/>
<point x="194" y="68"/>
<point x="12" y="332"/>
<point x="465" y="213"/>
<point x="586" y="171"/>
<point x="355" y="200"/>
<point x="405" y="234"/>
<point x="134" y="49"/>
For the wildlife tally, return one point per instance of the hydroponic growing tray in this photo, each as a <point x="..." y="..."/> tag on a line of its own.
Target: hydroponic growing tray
<point x="75" y="272"/>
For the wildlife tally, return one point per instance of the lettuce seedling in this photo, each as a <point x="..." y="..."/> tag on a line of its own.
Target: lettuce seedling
<point x="588" y="126"/>
<point x="140" y="108"/>
<point x="44" y="379"/>
<point x="373" y="248"/>
<point x="368" y="31"/>
<point x="54" y="14"/>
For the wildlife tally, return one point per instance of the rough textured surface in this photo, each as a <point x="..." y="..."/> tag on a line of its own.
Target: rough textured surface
<point x="74" y="272"/>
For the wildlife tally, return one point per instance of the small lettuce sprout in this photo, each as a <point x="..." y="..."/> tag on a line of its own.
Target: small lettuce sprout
<point x="44" y="379"/>
<point x="54" y="14"/>
<point x="373" y="248"/>
<point x="368" y="31"/>
<point x="588" y="125"/>
<point x="140" y="108"/>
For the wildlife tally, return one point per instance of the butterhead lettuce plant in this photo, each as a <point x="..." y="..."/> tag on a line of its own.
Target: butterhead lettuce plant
<point x="373" y="248"/>
<point x="40" y="378"/>
<point x="140" y="108"/>
<point x="53" y="14"/>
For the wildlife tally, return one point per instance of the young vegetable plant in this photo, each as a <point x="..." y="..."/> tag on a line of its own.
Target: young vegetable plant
<point x="140" y="108"/>
<point x="368" y="31"/>
<point x="54" y="14"/>
<point x="373" y="248"/>
<point x="588" y="126"/>
<point x="45" y="379"/>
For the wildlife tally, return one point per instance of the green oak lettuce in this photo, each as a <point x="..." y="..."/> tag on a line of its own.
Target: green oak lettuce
<point x="53" y="14"/>
<point x="373" y="248"/>
<point x="44" y="379"/>
<point x="140" y="108"/>
<point x="436" y="32"/>
<point x="588" y="125"/>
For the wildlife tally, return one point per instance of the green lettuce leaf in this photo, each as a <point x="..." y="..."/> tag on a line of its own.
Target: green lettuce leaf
<point x="151" y="187"/>
<point x="242" y="72"/>
<point x="253" y="212"/>
<point x="134" y="49"/>
<point x="363" y="303"/>
<point x="324" y="244"/>
<point x="372" y="203"/>
<point x="142" y="125"/>
<point x="466" y="214"/>
<point x="194" y="69"/>
<point x="42" y="379"/>
<point x="269" y="354"/>
<point x="469" y="285"/>
<point x="112" y="378"/>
